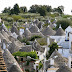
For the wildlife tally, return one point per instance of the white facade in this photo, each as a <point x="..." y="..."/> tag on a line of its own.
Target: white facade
<point x="57" y="38"/>
<point x="67" y="30"/>
<point x="69" y="61"/>
<point x="70" y="40"/>
<point x="0" y="20"/>
<point x="64" y="52"/>
<point x="4" y="46"/>
<point x="63" y="43"/>
<point x="21" y="31"/>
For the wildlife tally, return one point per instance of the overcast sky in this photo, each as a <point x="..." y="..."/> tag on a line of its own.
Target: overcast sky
<point x="54" y="3"/>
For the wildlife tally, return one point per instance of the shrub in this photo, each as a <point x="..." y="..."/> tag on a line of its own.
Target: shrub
<point x="40" y="65"/>
<point x="24" y="40"/>
<point x="45" y="25"/>
<point x="42" y="41"/>
<point x="53" y="46"/>
<point x="16" y="17"/>
<point x="27" y="70"/>
<point x="25" y="54"/>
<point x="66" y="16"/>
<point x="64" y="23"/>
<point x="34" y="37"/>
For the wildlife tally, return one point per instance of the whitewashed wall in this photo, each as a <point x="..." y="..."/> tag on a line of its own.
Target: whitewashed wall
<point x="67" y="30"/>
<point x="70" y="40"/>
<point x="21" y="31"/>
<point x="51" y="70"/>
<point x="63" y="43"/>
<point x="57" y="38"/>
<point x="64" y="52"/>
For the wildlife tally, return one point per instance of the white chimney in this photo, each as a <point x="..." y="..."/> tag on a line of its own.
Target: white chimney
<point x="0" y="20"/>
<point x="0" y="40"/>
<point x="69" y="61"/>
<point x="26" y="28"/>
<point x="51" y="61"/>
<point x="38" y="30"/>
<point x="48" y="41"/>
<point x="4" y="46"/>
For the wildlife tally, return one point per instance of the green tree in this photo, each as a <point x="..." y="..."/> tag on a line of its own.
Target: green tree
<point x="34" y="8"/>
<point x="59" y="9"/>
<point x="48" y="8"/>
<point x="62" y="8"/>
<point x="42" y="10"/>
<point x="52" y="47"/>
<point x="11" y="11"/>
<point x="16" y="9"/>
<point x="6" y="10"/>
<point x="23" y="9"/>
<point x="64" y="23"/>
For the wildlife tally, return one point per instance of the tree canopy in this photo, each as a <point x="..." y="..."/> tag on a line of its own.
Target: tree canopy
<point x="25" y="54"/>
<point x="52" y="47"/>
<point x="64" y="23"/>
<point x="42" y="11"/>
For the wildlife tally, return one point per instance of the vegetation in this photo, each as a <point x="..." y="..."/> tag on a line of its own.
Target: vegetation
<point x="34" y="37"/>
<point x="42" y="41"/>
<point x="24" y="40"/>
<point x="33" y="9"/>
<point x="27" y="70"/>
<point x="42" y="11"/>
<point x="25" y="54"/>
<point x="40" y="65"/>
<point x="64" y="23"/>
<point x="52" y="47"/>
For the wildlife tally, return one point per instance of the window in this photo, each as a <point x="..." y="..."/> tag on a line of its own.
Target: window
<point x="71" y="64"/>
<point x="37" y="52"/>
<point x="68" y="34"/>
<point x="21" y="59"/>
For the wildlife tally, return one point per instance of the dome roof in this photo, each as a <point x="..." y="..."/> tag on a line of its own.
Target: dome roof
<point x="27" y="32"/>
<point x="33" y="29"/>
<point x="48" y="31"/>
<point x="60" y="32"/>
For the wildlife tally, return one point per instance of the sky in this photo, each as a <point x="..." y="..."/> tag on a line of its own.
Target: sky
<point x="54" y="3"/>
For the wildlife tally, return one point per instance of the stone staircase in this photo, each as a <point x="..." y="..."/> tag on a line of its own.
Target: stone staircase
<point x="2" y="63"/>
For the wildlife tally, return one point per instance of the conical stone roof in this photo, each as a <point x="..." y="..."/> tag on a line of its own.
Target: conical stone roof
<point x="14" y="68"/>
<point x="64" y="69"/>
<point x="27" y="33"/>
<point x="36" y="46"/>
<point x="40" y="24"/>
<point x="60" y="32"/>
<point x="33" y="29"/>
<point x="14" y="29"/>
<point x="9" y="60"/>
<point x="15" y="46"/>
<point x="48" y="31"/>
<point x="58" y="59"/>
<point x="36" y="21"/>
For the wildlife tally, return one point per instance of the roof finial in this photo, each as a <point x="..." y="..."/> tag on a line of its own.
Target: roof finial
<point x="60" y="26"/>
<point x="48" y="25"/>
<point x="3" y="22"/>
<point x="32" y="24"/>
<point x="35" y="40"/>
<point x="26" y="28"/>
<point x="25" y="22"/>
